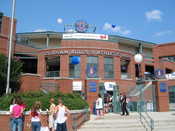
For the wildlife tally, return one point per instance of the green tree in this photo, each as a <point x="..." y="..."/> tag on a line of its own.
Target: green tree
<point x="16" y="69"/>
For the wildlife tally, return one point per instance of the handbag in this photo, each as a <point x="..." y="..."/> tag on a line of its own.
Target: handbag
<point x="44" y="128"/>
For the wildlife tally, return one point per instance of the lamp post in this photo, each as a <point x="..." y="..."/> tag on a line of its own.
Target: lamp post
<point x="138" y="59"/>
<point x="115" y="100"/>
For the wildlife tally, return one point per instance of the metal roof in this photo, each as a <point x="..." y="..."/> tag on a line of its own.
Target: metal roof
<point x="112" y="38"/>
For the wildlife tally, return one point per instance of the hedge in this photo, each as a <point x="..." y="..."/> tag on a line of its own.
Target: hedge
<point x="72" y="101"/>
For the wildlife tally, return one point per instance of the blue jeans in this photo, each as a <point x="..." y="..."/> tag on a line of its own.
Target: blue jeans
<point x="16" y="124"/>
<point x="61" y="127"/>
<point x="36" y="126"/>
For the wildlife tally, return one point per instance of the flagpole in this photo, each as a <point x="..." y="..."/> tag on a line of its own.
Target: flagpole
<point x="10" y="46"/>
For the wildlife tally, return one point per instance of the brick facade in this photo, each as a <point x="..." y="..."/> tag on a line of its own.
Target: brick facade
<point x="64" y="83"/>
<point x="75" y="120"/>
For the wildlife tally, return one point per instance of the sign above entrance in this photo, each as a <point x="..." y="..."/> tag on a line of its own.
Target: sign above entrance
<point x="85" y="36"/>
<point x="85" y="52"/>
<point x="81" y="26"/>
<point x="109" y="86"/>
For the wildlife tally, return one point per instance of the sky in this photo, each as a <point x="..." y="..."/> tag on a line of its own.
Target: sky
<point x="147" y="20"/>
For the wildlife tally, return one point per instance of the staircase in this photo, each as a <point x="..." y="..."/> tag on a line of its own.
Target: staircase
<point x="114" y="122"/>
<point x="163" y="121"/>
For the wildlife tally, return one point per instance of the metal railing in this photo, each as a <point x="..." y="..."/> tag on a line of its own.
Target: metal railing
<point x="52" y="74"/>
<point x="79" y="118"/>
<point x="145" y="118"/>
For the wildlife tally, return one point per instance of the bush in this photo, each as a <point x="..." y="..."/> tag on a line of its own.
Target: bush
<point x="72" y="101"/>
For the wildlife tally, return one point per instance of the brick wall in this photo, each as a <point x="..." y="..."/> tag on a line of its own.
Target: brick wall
<point x="75" y="120"/>
<point x="30" y="82"/>
<point x="4" y="35"/>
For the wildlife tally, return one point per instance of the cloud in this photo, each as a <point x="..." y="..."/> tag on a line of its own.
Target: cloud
<point x="59" y="20"/>
<point x="154" y="15"/>
<point x="40" y="30"/>
<point x="118" y="29"/>
<point x="163" y="33"/>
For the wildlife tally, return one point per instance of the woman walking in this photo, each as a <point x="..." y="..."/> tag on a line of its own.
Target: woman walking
<point x="61" y="116"/>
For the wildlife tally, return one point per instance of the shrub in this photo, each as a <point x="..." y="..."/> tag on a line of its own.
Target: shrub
<point x="72" y="101"/>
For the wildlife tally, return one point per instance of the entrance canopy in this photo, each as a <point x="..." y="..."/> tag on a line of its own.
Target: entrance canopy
<point x="109" y="86"/>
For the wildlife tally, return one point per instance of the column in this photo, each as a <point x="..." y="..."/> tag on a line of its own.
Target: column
<point x="101" y="67"/>
<point x="131" y="68"/>
<point x="64" y="66"/>
<point x="83" y="61"/>
<point x="41" y="65"/>
<point x="117" y="68"/>
<point x="47" y="40"/>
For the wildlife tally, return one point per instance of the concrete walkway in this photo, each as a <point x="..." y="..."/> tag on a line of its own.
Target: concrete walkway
<point x="164" y="121"/>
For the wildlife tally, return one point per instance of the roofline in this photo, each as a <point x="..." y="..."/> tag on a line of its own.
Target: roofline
<point x="115" y="36"/>
<point x="165" y="44"/>
<point x="132" y="39"/>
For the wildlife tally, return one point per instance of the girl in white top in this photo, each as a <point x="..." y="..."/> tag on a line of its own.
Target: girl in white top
<point x="36" y="117"/>
<point x="61" y="116"/>
<point x="51" y="113"/>
<point x="99" y="106"/>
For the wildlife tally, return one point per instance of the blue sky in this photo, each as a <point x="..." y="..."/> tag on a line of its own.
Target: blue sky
<point x="148" y="20"/>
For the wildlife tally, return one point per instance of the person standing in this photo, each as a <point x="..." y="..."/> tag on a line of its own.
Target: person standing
<point x="124" y="105"/>
<point x="51" y="114"/>
<point x="12" y="103"/>
<point x="99" y="106"/>
<point x="61" y="116"/>
<point x="35" y="116"/>
<point x="120" y="100"/>
<point x="16" y="111"/>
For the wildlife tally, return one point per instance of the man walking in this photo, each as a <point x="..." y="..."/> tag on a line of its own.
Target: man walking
<point x="124" y="105"/>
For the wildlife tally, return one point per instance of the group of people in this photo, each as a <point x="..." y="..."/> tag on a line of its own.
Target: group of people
<point x="104" y="106"/>
<point x="57" y="115"/>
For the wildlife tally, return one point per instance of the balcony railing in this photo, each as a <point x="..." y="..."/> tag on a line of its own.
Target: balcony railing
<point x="52" y="74"/>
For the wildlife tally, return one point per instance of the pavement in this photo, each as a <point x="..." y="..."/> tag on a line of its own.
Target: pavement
<point x="163" y="121"/>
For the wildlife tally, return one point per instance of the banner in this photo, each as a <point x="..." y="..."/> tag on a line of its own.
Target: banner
<point x="85" y="36"/>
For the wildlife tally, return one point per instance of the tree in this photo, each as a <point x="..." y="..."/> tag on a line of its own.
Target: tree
<point x="16" y="69"/>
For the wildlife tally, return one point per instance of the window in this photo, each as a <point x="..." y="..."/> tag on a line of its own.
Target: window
<point x="168" y="71"/>
<point x="149" y="72"/>
<point x="108" y="67"/>
<point x="124" y="69"/>
<point x="171" y="94"/>
<point x="74" y="66"/>
<point x="1" y="16"/>
<point x="92" y="67"/>
<point x="52" y="66"/>
<point x="168" y="58"/>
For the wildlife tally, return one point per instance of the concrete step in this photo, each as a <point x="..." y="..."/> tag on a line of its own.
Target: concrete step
<point x="115" y="125"/>
<point x="169" y="128"/>
<point x="113" y="122"/>
<point x="111" y="129"/>
<point x="164" y="123"/>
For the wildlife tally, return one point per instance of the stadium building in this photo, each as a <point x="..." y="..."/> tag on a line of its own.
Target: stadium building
<point x="90" y="63"/>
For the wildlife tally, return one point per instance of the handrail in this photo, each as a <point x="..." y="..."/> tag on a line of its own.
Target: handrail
<point x="145" y="118"/>
<point x="149" y="122"/>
